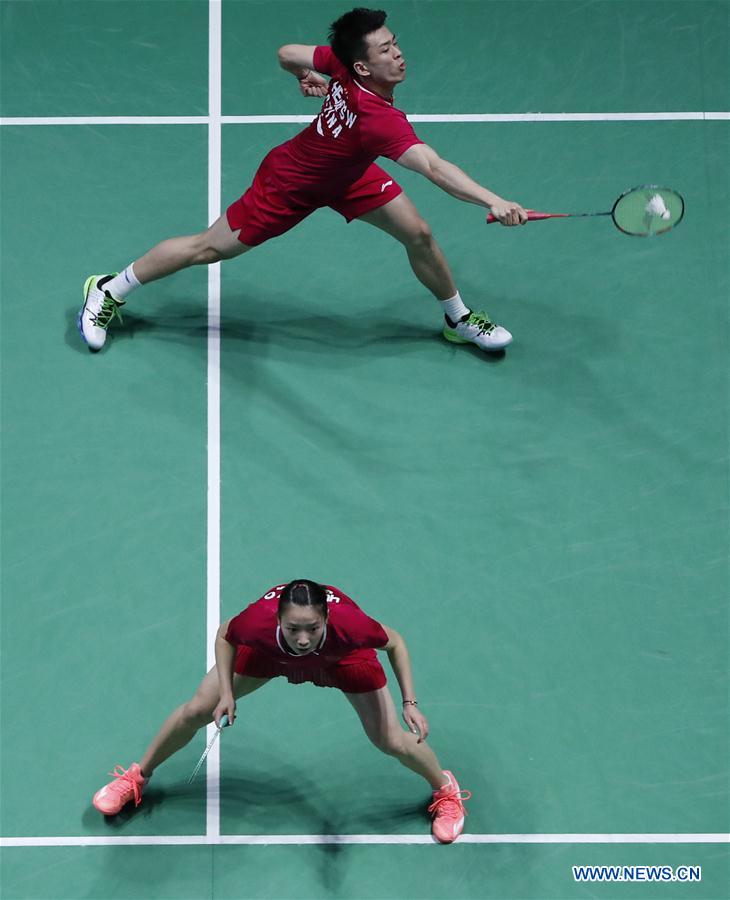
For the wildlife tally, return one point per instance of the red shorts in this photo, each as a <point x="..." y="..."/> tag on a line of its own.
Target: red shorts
<point x="357" y="673"/>
<point x="264" y="212"/>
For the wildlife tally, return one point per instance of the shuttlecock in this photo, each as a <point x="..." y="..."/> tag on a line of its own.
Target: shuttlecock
<point x="656" y="207"/>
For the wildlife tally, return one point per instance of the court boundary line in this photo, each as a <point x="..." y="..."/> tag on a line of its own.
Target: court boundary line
<point x="362" y="839"/>
<point x="218" y="119"/>
<point x="212" y="603"/>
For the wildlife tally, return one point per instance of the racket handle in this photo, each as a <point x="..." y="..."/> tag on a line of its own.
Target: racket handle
<point x="224" y="721"/>
<point x="532" y="216"/>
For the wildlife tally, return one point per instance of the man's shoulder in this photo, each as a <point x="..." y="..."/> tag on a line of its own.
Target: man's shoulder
<point x="327" y="63"/>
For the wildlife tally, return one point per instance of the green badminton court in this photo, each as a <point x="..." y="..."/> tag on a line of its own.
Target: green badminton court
<point x="547" y="528"/>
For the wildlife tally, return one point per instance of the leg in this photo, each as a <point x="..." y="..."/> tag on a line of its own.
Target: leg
<point x="378" y="716"/>
<point x="401" y="220"/>
<point x="380" y="721"/>
<point x="105" y="294"/>
<point x="180" y="727"/>
<point x="212" y="245"/>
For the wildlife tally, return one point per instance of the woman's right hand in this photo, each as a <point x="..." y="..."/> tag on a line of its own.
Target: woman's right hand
<point x="227" y="706"/>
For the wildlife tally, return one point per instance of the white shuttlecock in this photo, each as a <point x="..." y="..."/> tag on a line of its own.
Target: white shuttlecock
<point x="656" y="207"/>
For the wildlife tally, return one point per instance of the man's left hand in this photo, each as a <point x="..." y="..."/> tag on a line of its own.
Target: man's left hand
<point x="313" y="85"/>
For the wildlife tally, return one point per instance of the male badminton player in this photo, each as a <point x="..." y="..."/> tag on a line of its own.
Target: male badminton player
<point x="330" y="163"/>
<point x="306" y="632"/>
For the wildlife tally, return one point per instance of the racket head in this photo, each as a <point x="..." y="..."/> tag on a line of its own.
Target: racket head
<point x="648" y="210"/>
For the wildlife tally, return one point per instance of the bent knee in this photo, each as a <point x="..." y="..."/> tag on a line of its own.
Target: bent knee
<point x="420" y="236"/>
<point x="391" y="743"/>
<point x="209" y="248"/>
<point x="194" y="713"/>
<point x="210" y="255"/>
<point x="204" y="253"/>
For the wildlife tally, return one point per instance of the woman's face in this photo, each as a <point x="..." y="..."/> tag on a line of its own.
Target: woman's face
<point x="302" y="628"/>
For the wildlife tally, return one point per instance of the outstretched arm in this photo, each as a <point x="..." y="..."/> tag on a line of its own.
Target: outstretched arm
<point x="401" y="663"/>
<point x="225" y="657"/>
<point x="423" y="159"/>
<point x="299" y="60"/>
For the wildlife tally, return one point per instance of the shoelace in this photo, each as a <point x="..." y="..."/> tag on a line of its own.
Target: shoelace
<point x="124" y="783"/>
<point x="482" y="321"/>
<point x="450" y="804"/>
<point x="109" y="310"/>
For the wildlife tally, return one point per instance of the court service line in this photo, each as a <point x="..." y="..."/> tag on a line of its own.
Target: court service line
<point x="212" y="788"/>
<point x="416" y="117"/>
<point x="189" y="840"/>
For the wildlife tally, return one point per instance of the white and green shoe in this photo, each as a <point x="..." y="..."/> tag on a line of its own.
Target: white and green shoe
<point x="98" y="311"/>
<point x="477" y="328"/>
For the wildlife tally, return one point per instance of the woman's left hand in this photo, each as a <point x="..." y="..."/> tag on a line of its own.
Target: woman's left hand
<point x="416" y="721"/>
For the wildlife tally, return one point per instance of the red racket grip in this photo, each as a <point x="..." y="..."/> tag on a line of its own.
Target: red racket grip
<point x="532" y="216"/>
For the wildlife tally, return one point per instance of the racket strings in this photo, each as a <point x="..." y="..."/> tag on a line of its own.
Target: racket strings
<point x="648" y="210"/>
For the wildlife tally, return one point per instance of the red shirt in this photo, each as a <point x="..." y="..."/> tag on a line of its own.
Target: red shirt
<point x="347" y="629"/>
<point x="354" y="127"/>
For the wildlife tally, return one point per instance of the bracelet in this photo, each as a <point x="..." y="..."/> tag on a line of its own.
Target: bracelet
<point x="412" y="702"/>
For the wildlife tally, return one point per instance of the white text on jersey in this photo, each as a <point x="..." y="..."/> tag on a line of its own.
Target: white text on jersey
<point x="335" y="112"/>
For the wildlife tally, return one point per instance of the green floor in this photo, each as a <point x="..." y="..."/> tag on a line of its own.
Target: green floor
<point x="548" y="529"/>
<point x="467" y="872"/>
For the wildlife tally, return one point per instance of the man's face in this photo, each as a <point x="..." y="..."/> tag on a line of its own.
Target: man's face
<point x="384" y="61"/>
<point x="302" y="627"/>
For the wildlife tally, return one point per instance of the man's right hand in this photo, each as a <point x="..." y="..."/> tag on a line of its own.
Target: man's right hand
<point x="506" y="212"/>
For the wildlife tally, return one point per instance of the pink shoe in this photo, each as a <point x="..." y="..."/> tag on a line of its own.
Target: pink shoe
<point x="448" y="810"/>
<point x="127" y="785"/>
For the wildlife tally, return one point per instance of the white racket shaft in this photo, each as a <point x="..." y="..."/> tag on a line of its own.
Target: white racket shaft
<point x="208" y="748"/>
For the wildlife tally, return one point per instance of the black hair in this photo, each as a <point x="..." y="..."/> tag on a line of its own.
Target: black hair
<point x="347" y="35"/>
<point x="303" y="593"/>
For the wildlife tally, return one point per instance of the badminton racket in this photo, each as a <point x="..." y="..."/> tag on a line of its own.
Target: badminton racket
<point x="641" y="211"/>
<point x="216" y="735"/>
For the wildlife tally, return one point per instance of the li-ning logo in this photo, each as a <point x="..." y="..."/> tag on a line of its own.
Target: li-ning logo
<point x="335" y="113"/>
<point x="384" y="186"/>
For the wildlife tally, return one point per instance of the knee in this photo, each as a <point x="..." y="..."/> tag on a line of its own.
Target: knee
<point x="194" y="714"/>
<point x="204" y="252"/>
<point x="390" y="742"/>
<point x="420" y="236"/>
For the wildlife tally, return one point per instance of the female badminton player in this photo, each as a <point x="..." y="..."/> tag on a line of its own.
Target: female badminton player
<point x="306" y="632"/>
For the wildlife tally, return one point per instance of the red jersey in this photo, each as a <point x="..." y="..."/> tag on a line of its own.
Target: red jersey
<point x="347" y="629"/>
<point x="354" y="127"/>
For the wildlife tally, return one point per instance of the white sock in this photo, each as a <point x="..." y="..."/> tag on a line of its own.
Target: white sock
<point x="454" y="308"/>
<point x="123" y="283"/>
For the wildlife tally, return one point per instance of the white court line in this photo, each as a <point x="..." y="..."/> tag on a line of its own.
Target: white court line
<point x="418" y="117"/>
<point x="212" y="787"/>
<point x="186" y="840"/>
<point x="572" y="117"/>
<point x="104" y="120"/>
